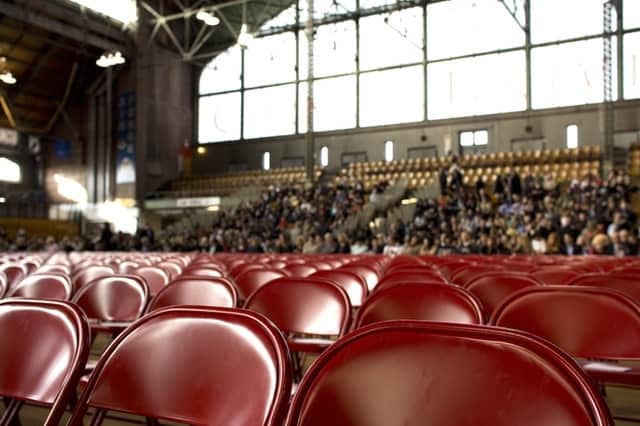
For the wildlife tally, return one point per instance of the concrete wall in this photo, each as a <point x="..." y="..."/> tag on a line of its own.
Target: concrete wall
<point x="443" y="134"/>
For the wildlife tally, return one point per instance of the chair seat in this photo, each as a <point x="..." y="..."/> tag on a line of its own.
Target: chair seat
<point x="309" y="345"/>
<point x="613" y="373"/>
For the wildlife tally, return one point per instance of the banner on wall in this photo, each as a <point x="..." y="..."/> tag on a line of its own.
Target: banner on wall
<point x="126" y="145"/>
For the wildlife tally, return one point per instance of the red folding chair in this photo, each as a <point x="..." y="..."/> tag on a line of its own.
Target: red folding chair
<point x="43" y="286"/>
<point x="14" y="272"/>
<point x="593" y="323"/>
<point x="556" y="276"/>
<point x="437" y="302"/>
<point x="3" y="284"/>
<point x="412" y="372"/>
<point x="197" y="291"/>
<point x="216" y="367"/>
<point x="630" y="285"/>
<point x="251" y="280"/>
<point x="353" y="284"/>
<point x="492" y="288"/>
<point x="45" y="345"/>
<point x="368" y="273"/>
<point x="54" y="268"/>
<point x="90" y="273"/>
<point x="155" y="277"/>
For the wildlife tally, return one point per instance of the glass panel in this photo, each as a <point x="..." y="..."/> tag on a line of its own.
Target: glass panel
<point x="394" y="96"/>
<point x="388" y="151"/>
<point x="481" y="137"/>
<point x="284" y="18"/>
<point x="222" y="74"/>
<point x="270" y="111"/>
<point x="219" y="118"/>
<point x="572" y="136"/>
<point x="391" y="39"/>
<point x="368" y="4"/>
<point x="266" y="160"/>
<point x="124" y="11"/>
<point x="631" y="15"/>
<point x="334" y="50"/>
<point x="466" y="139"/>
<point x="473" y="86"/>
<point x="461" y="27"/>
<point x="334" y="104"/>
<point x="632" y="65"/>
<point x="324" y="156"/>
<point x="568" y="74"/>
<point x="270" y="60"/>
<point x="321" y="8"/>
<point x="9" y="171"/>
<point x="560" y="20"/>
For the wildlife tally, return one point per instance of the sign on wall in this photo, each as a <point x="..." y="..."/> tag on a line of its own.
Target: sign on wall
<point x="126" y="145"/>
<point x="8" y="137"/>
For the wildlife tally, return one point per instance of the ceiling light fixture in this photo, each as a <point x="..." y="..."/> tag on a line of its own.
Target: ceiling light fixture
<point x="110" y="59"/>
<point x="244" y="38"/>
<point x="207" y="17"/>
<point x="7" y="78"/>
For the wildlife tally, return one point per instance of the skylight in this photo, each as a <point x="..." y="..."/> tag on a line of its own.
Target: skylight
<point x="123" y="11"/>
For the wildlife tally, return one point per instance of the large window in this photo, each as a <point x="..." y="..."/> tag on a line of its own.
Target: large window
<point x="553" y="20"/>
<point x="482" y="85"/>
<point x="631" y="14"/>
<point x="219" y="118"/>
<point x="334" y="50"/>
<point x="572" y="136"/>
<point x="9" y="171"/>
<point x="270" y="111"/>
<point x="394" y="96"/>
<point x="270" y="60"/>
<point x="334" y="104"/>
<point x="223" y="73"/>
<point x="632" y="65"/>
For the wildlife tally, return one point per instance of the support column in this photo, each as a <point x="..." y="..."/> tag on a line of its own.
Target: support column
<point x="607" y="104"/>
<point x="309" y="139"/>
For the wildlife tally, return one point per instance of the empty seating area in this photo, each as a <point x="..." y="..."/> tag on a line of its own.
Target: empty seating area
<point x="227" y="339"/>
<point x="227" y="183"/>
<point x="561" y="164"/>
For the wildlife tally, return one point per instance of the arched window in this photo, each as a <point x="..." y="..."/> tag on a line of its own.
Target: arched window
<point x="9" y="171"/>
<point x="324" y="156"/>
<point x="388" y="151"/>
<point x="266" y="160"/>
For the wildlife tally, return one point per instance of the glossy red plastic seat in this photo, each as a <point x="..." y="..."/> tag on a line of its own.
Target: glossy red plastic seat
<point x="113" y="302"/>
<point x="442" y="303"/>
<point x="304" y="306"/>
<point x="197" y="291"/>
<point x="353" y="284"/>
<point x="128" y="266"/>
<point x="397" y="278"/>
<point x="44" y="346"/>
<point x="630" y="285"/>
<point x="14" y="272"/>
<point x="417" y="372"/>
<point x="3" y="284"/>
<point x="587" y="322"/>
<point x="492" y="288"/>
<point x="54" y="268"/>
<point x="557" y="276"/>
<point x="217" y="367"/>
<point x="171" y="268"/>
<point x="43" y="286"/>
<point x="251" y="280"/>
<point x="203" y="271"/>
<point x="469" y="273"/>
<point x="300" y="271"/>
<point x="90" y="273"/>
<point x="367" y="273"/>
<point x="155" y="277"/>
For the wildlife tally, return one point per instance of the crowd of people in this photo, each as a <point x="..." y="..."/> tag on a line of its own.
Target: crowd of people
<point x="517" y="215"/>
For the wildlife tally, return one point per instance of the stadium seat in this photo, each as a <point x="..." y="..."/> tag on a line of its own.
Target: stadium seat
<point x="3" y="284"/>
<point x="45" y="345"/>
<point x="155" y="276"/>
<point x="556" y="276"/>
<point x="593" y="323"/>
<point x="203" y="271"/>
<point x="368" y="273"/>
<point x="624" y="283"/>
<point x="172" y="269"/>
<point x="14" y="272"/>
<point x="353" y="284"/>
<point x="437" y="302"/>
<point x="304" y="306"/>
<point x="467" y="274"/>
<point x="300" y="271"/>
<point x="197" y="291"/>
<point x="492" y="288"/>
<point x="418" y="372"/>
<point x="251" y="280"/>
<point x="54" y="268"/>
<point x="222" y="367"/>
<point x="43" y="286"/>
<point x="90" y="273"/>
<point x="401" y="277"/>
<point x="128" y="266"/>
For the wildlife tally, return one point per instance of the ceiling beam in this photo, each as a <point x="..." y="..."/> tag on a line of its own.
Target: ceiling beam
<point x="28" y="17"/>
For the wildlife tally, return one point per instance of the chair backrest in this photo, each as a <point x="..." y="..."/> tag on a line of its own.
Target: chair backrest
<point x="436" y="302"/>
<point x="397" y="278"/>
<point x="301" y="271"/>
<point x="217" y="367"/>
<point x="467" y="274"/>
<point x="14" y="272"/>
<point x="556" y="276"/>
<point x="409" y="372"/>
<point x="251" y="280"/>
<point x="203" y="271"/>
<point x="630" y="285"/>
<point x="353" y="284"/>
<point x="367" y="273"/>
<point x="303" y="306"/>
<point x="43" y="286"/>
<point x="171" y="268"/>
<point x="45" y="347"/>
<point x="90" y="273"/>
<point x="114" y="298"/>
<point x="491" y="289"/>
<point x="155" y="277"/>
<point x="56" y="268"/>
<point x="128" y="266"/>
<point x="4" y="283"/>
<point x="589" y="322"/>
<point x="197" y="291"/>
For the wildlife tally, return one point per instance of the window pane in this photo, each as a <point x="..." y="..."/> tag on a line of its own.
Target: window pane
<point x="461" y="27"/>
<point x="388" y="151"/>
<point x="9" y="171"/>
<point x="219" y="118"/>
<point x="559" y="20"/>
<point x="324" y="156"/>
<point x="466" y="139"/>
<point x="572" y="136"/>
<point x="632" y="65"/>
<point x="474" y="86"/>
<point x="568" y="74"/>
<point x="223" y="73"/>
<point x="368" y="4"/>
<point x="284" y="18"/>
<point x="270" y="60"/>
<point x="326" y="7"/>
<point x="394" y="96"/>
<point x="481" y="137"/>
<point x="334" y="104"/>
<point x="270" y="111"/>
<point x="334" y="50"/>
<point x="266" y="160"/>
<point x="391" y="39"/>
<point x="631" y="14"/>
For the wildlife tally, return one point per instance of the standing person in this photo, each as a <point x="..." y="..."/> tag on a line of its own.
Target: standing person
<point x="106" y="237"/>
<point x="185" y="159"/>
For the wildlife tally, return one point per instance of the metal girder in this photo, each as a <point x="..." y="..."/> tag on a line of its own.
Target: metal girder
<point x="522" y="26"/>
<point x="24" y="15"/>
